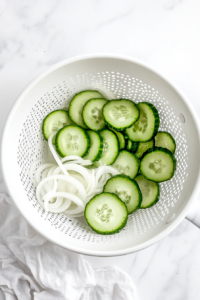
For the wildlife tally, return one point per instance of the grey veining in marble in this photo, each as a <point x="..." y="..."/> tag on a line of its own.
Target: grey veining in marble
<point x="163" y="33"/>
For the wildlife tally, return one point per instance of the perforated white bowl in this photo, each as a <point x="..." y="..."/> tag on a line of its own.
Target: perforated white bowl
<point x="23" y="143"/>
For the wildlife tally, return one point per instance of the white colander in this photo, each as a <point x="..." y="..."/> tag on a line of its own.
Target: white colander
<point x="23" y="143"/>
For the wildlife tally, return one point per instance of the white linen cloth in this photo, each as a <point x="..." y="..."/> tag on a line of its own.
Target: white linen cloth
<point x="33" y="268"/>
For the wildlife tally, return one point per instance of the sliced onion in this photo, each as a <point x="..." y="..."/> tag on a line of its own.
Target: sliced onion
<point x="105" y="169"/>
<point x="55" y="155"/>
<point x="79" y="177"/>
<point x="77" y="160"/>
<point x="44" y="173"/>
<point x="92" y="182"/>
<point x="49" y="186"/>
<point x="95" y="192"/>
<point x="71" y="157"/>
<point x="68" y="196"/>
<point x="83" y="162"/>
<point x="74" y="211"/>
<point x="65" y="204"/>
<point x="46" y="197"/>
<point x="79" y="169"/>
<point x="57" y="203"/>
<point x="40" y="170"/>
<point x="74" y="181"/>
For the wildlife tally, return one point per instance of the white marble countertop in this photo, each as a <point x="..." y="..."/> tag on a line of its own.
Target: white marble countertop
<point x="165" y="34"/>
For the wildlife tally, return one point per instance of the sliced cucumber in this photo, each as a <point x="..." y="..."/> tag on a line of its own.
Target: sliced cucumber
<point x="143" y="147"/>
<point x="96" y="146"/>
<point x="121" y="139"/>
<point x="77" y="103"/>
<point x="132" y="146"/>
<point x="72" y="140"/>
<point x="129" y="144"/>
<point x="54" y="121"/>
<point x="127" y="163"/>
<point x="92" y="114"/>
<point x="150" y="191"/>
<point x="106" y="213"/>
<point x="165" y="140"/>
<point x="158" y="164"/>
<point x="146" y="126"/>
<point x="126" y="189"/>
<point x="125" y="135"/>
<point x="110" y="147"/>
<point x="120" y="114"/>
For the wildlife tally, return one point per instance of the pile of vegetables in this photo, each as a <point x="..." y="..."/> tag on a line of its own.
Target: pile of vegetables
<point x="109" y="160"/>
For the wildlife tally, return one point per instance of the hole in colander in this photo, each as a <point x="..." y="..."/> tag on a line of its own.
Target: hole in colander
<point x="182" y="118"/>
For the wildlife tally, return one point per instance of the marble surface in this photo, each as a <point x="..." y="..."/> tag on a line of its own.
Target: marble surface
<point x="163" y="33"/>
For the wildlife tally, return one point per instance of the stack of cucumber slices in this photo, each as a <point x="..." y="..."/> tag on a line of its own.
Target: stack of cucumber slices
<point x="124" y="135"/>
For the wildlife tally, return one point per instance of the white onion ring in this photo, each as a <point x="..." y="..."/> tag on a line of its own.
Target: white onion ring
<point x="65" y="204"/>
<point x="71" y="157"/>
<point x="79" y="169"/>
<point x="46" y="197"/>
<point x="49" y="185"/>
<point x="69" y="197"/>
<point x="55" y="155"/>
<point x="75" y="182"/>
<point x="57" y="203"/>
<point x="40" y="170"/>
<point x="74" y="211"/>
<point x="105" y="169"/>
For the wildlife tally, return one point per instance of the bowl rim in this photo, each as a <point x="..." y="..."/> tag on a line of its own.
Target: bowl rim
<point x="73" y="248"/>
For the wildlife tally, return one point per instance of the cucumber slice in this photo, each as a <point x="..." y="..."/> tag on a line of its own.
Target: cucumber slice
<point x="106" y="213"/>
<point x="132" y="146"/>
<point x="146" y="126"/>
<point x="121" y="139"/>
<point x="110" y="147"/>
<point x="120" y="114"/>
<point x="165" y="140"/>
<point x="92" y="114"/>
<point x="77" y="103"/>
<point x="54" y="121"/>
<point x="126" y="189"/>
<point x="125" y="135"/>
<point x="72" y="140"/>
<point x="158" y="164"/>
<point x="127" y="163"/>
<point x="150" y="191"/>
<point x="129" y="144"/>
<point x="143" y="147"/>
<point x="96" y="146"/>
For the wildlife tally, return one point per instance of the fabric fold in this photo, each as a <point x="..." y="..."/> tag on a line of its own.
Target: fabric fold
<point x="33" y="268"/>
